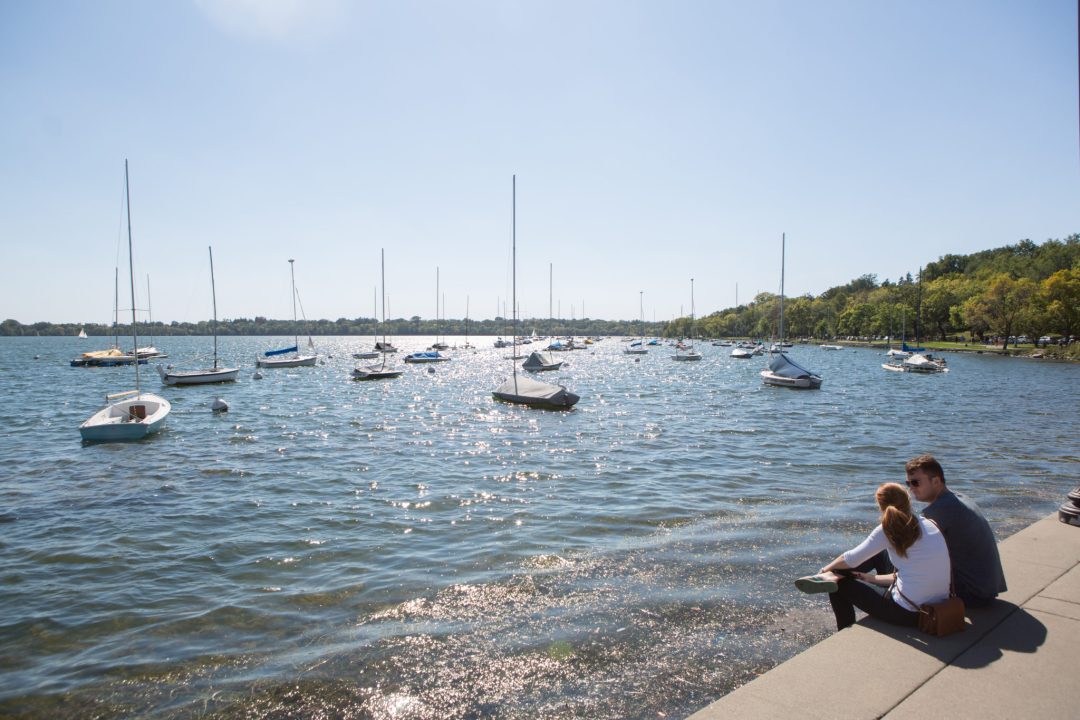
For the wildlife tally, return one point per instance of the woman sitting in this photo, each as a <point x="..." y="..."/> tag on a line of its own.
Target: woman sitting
<point x="918" y="552"/>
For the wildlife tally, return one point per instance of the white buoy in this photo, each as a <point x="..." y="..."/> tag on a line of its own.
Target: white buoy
<point x="219" y="405"/>
<point x="257" y="375"/>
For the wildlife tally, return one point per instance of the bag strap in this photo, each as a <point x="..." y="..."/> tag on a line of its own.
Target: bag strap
<point x="948" y="555"/>
<point x="918" y="608"/>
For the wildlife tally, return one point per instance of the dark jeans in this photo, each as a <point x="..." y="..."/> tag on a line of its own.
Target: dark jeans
<point x="871" y="599"/>
<point x="880" y="564"/>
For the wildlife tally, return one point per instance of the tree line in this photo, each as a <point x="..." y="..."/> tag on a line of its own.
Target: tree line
<point x="1022" y="289"/>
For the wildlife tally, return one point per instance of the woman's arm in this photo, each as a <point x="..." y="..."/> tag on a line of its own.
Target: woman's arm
<point x="837" y="564"/>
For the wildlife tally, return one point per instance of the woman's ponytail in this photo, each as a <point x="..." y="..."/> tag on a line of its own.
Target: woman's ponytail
<point x="899" y="523"/>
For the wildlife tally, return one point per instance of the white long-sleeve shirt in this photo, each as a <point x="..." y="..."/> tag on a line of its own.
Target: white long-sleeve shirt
<point x="923" y="576"/>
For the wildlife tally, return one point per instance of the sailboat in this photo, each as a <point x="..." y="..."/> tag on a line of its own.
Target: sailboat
<point x="149" y="352"/>
<point x="683" y="351"/>
<point x="467" y="346"/>
<point x="82" y="333"/>
<point x="525" y="390"/>
<point x="112" y="356"/>
<point x="133" y="414"/>
<point x="380" y="371"/>
<point x="782" y="370"/>
<point x="273" y="358"/>
<point x="438" y="344"/>
<point x="214" y="374"/>
<point x="638" y="347"/>
<point x="372" y="354"/>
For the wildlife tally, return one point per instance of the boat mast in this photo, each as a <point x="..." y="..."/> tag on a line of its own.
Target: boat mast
<point x="641" y="309"/>
<point x="691" y="312"/>
<point x="783" y="242"/>
<point x="513" y="255"/>
<point x="436" y="304"/>
<point x="382" y="254"/>
<point x="131" y="273"/>
<point x="213" y="294"/>
<point x="116" y="294"/>
<point x="149" y="312"/>
<point x="296" y="336"/>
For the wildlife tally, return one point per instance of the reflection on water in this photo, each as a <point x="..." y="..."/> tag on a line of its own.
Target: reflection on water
<point x="412" y="549"/>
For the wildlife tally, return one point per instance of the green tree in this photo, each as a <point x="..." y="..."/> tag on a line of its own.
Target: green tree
<point x="1001" y="306"/>
<point x="1061" y="296"/>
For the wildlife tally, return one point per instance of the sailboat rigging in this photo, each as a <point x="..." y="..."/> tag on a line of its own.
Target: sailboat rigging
<point x="380" y="371"/>
<point x="525" y="390"/>
<point x="133" y="414"/>
<point x="273" y="358"/>
<point x="685" y="351"/>
<point x="639" y="348"/>
<point x="782" y="371"/>
<point x="210" y="375"/>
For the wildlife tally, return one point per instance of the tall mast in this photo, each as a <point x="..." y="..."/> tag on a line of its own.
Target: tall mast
<point x="213" y="294"/>
<point x="783" y="243"/>
<point x="296" y="335"/>
<point x="641" y="309"/>
<point x="116" y="293"/>
<point x="436" y="303"/>
<point x="382" y="253"/>
<point x="149" y="311"/>
<point x="691" y="311"/>
<point x="513" y="238"/>
<point x="131" y="273"/>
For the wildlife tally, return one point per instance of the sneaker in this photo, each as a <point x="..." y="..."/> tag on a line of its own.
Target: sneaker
<point x="820" y="583"/>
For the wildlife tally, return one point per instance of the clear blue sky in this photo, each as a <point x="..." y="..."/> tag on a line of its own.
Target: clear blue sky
<point x="653" y="142"/>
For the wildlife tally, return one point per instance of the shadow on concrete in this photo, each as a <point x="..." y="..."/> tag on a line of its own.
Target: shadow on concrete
<point x="990" y="632"/>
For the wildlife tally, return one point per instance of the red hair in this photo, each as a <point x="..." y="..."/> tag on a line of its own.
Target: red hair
<point x="897" y="520"/>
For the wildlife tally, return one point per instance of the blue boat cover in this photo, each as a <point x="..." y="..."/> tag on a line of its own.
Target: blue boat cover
<point x="782" y="365"/>
<point x="908" y="348"/>
<point x="270" y="353"/>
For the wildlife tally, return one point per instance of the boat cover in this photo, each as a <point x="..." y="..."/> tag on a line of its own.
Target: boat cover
<point x="526" y="391"/>
<point x="904" y="346"/>
<point x="782" y="365"/>
<point x="271" y="353"/>
<point x="537" y="361"/>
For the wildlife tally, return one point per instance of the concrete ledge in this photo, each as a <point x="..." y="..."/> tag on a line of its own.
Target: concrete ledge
<point x="1015" y="659"/>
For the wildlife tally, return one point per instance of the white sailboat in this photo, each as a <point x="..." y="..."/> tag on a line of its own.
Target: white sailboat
<point x="290" y="356"/>
<point x="439" y="344"/>
<point x="782" y="370"/>
<point x="133" y="414"/>
<point x="372" y="354"/>
<point x="683" y="351"/>
<point x="213" y="374"/>
<point x="82" y="333"/>
<point x="380" y="371"/>
<point x="638" y="347"/>
<point x="525" y="390"/>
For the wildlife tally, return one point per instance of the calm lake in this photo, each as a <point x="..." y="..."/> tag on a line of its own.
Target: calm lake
<point x="412" y="549"/>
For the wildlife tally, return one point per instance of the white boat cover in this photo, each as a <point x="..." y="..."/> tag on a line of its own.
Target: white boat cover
<point x="782" y="365"/>
<point x="526" y="391"/>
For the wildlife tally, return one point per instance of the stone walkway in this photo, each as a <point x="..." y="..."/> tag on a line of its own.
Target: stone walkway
<point x="1017" y="659"/>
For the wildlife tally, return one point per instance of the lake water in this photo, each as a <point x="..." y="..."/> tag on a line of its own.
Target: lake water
<point x="413" y="549"/>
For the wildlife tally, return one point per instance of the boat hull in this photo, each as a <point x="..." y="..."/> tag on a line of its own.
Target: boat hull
<point x="198" y="377"/>
<point x="808" y="382"/>
<point x="361" y="374"/>
<point x="300" y="361"/>
<point x="123" y="421"/>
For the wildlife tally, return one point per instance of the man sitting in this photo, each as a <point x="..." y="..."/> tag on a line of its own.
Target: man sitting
<point x="976" y="565"/>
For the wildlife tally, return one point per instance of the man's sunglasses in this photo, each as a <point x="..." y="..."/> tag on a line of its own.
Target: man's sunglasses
<point x="913" y="483"/>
